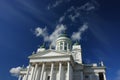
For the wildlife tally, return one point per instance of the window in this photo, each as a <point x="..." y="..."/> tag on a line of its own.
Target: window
<point x="65" y="46"/>
<point x="61" y="46"/>
<point x="101" y="76"/>
<point x="86" y="76"/>
<point x="48" y="78"/>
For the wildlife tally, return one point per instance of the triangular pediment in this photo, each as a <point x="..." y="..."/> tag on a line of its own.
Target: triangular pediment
<point x="49" y="53"/>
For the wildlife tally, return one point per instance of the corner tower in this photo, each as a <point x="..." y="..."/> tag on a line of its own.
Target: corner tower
<point x="63" y="43"/>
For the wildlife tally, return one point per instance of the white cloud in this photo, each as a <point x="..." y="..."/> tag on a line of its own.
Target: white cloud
<point x="50" y="37"/>
<point x="59" y="29"/>
<point x="41" y="32"/>
<point x="77" y="35"/>
<point x="118" y="75"/>
<point x="88" y="6"/>
<point x="71" y="9"/>
<point x="56" y="3"/>
<point x="77" y="12"/>
<point x="73" y="17"/>
<point x="61" y="18"/>
<point x="15" y="71"/>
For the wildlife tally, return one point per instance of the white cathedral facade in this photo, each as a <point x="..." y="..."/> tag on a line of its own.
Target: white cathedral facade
<point x="62" y="63"/>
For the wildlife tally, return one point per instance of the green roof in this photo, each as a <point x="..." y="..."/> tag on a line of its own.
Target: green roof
<point x="42" y="46"/>
<point x="76" y="43"/>
<point x="63" y="35"/>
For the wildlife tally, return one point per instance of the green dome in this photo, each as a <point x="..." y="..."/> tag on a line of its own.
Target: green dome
<point x="42" y="46"/>
<point x="63" y="35"/>
<point x="76" y="43"/>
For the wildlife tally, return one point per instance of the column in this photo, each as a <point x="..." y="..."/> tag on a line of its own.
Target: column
<point x="38" y="73"/>
<point x="28" y="72"/>
<point x="42" y="72"/>
<point x="68" y="71"/>
<point x="68" y="47"/>
<point x="60" y="69"/>
<point x="81" y="74"/>
<point x="63" y="46"/>
<point x="90" y="77"/>
<point x="97" y="76"/>
<point x="19" y="77"/>
<point x="24" y="77"/>
<point x="34" y="73"/>
<point x="71" y="73"/>
<point x="44" y="75"/>
<point x="51" y="73"/>
<point x="104" y="76"/>
<point x="59" y="46"/>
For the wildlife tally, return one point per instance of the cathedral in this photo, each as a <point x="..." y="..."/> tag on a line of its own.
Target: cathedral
<point x="62" y="63"/>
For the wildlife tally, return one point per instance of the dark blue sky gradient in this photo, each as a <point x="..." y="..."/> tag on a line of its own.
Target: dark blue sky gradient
<point x="19" y="18"/>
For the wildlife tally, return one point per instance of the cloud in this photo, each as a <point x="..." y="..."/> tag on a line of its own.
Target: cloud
<point x="73" y="17"/>
<point x="15" y="71"/>
<point x="59" y="29"/>
<point x="61" y="19"/>
<point x="41" y="32"/>
<point x="56" y="3"/>
<point x="50" y="37"/>
<point x="71" y="9"/>
<point x="118" y="75"/>
<point x="77" y="35"/>
<point x="78" y="12"/>
<point x="88" y="6"/>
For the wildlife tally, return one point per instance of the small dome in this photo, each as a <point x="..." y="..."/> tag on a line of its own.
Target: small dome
<point x="42" y="46"/>
<point x="63" y="35"/>
<point x="63" y="43"/>
<point x="76" y="43"/>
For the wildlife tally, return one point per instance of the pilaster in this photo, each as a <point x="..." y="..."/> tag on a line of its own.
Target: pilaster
<point x="81" y="74"/>
<point x="51" y="73"/>
<point x="104" y="76"/>
<point x="28" y="72"/>
<point x="97" y="76"/>
<point x="60" y="69"/>
<point x="20" y="77"/>
<point x="68" y="71"/>
<point x="42" y="72"/>
<point x="34" y="76"/>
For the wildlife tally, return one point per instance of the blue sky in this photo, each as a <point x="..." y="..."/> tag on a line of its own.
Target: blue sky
<point x="20" y="18"/>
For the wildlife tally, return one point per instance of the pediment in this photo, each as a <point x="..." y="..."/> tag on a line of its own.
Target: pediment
<point x="49" y="54"/>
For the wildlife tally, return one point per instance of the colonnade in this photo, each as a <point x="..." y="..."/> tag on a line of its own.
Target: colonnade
<point x="37" y="72"/>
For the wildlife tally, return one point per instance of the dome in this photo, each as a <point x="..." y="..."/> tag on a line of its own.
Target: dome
<point x="76" y="43"/>
<point x="63" y="43"/>
<point x="63" y="37"/>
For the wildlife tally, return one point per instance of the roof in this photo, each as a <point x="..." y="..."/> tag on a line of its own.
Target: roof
<point x="63" y="35"/>
<point x="76" y="43"/>
<point x="42" y="46"/>
<point x="48" y="53"/>
<point x="50" y="56"/>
